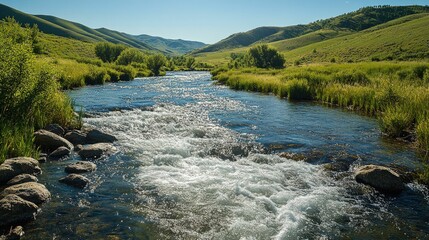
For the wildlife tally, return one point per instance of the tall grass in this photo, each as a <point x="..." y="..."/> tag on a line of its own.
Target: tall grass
<point x="396" y="93"/>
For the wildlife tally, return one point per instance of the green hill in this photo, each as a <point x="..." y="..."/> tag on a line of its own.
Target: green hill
<point x="359" y="20"/>
<point x="171" y="46"/>
<point x="68" y="29"/>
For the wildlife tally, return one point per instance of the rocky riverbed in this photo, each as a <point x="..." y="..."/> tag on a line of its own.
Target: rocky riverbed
<point x="22" y="197"/>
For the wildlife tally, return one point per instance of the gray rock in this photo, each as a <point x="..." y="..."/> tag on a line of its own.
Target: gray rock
<point x="14" y="209"/>
<point x="16" y="166"/>
<point x="30" y="191"/>
<point x="59" y="153"/>
<point x="75" y="180"/>
<point x="97" y="136"/>
<point x="55" y="128"/>
<point x="78" y="147"/>
<point x="381" y="178"/>
<point x="76" y="137"/>
<point x="81" y="167"/>
<point x="95" y="151"/>
<point x="50" y="141"/>
<point x="22" y="178"/>
<point x="15" y="234"/>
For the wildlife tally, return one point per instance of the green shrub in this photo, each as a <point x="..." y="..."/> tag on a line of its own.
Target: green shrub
<point x="126" y="73"/>
<point x="96" y="76"/>
<point x="422" y="131"/>
<point x="155" y="63"/>
<point x="113" y="74"/>
<point x="130" y="55"/>
<point x="263" y="56"/>
<point x="108" y="52"/>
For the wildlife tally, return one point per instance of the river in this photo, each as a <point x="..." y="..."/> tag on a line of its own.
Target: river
<point x="199" y="161"/>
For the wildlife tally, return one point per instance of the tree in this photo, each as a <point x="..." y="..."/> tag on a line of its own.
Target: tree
<point x="130" y="55"/>
<point x="264" y="57"/>
<point x="108" y="52"/>
<point x="155" y="63"/>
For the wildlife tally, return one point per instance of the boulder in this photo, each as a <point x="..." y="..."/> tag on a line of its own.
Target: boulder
<point x="76" y="137"/>
<point x="14" y="209"/>
<point x="16" y="166"/>
<point x="22" y="178"/>
<point x="97" y="136"/>
<point x="75" y="180"/>
<point x="81" y="167"/>
<point x="14" y="234"/>
<point x="42" y="160"/>
<point x="78" y="147"/>
<point x="381" y="178"/>
<point x="95" y="151"/>
<point x="59" y="153"/>
<point x="30" y="191"/>
<point x="55" y="128"/>
<point x="50" y="141"/>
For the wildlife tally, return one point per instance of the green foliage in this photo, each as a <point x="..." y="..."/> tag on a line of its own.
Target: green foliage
<point x="130" y="55"/>
<point x="155" y="63"/>
<point x="96" y="76"/>
<point x="422" y="131"/>
<point x="264" y="57"/>
<point x="29" y="95"/>
<point x="108" y="52"/>
<point x="395" y="120"/>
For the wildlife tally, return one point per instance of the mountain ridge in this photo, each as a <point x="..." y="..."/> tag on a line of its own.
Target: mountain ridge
<point x="65" y="28"/>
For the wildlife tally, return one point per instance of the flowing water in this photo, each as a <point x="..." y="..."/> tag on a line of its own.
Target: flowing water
<point x="199" y="161"/>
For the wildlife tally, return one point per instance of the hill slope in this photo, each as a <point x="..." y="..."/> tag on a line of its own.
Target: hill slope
<point x="172" y="46"/>
<point x="65" y="28"/>
<point x="405" y="38"/>
<point x="355" y="21"/>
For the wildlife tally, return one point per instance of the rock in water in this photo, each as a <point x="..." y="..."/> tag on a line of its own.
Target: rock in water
<point x="381" y="178"/>
<point x="95" y="151"/>
<point x="55" y="128"/>
<point x="14" y="209"/>
<point x="97" y="136"/>
<point x="76" y="137"/>
<point x="15" y="234"/>
<point x="22" y="178"/>
<point x="50" y="141"/>
<point x="16" y="166"/>
<point x="75" y="180"/>
<point x="59" y="153"/>
<point x="30" y="191"/>
<point x="81" y="167"/>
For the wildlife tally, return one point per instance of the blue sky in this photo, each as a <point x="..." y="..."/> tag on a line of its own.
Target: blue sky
<point x="203" y="20"/>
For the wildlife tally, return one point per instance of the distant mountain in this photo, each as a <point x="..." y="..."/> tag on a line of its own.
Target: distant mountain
<point x="355" y="21"/>
<point x="65" y="28"/>
<point x="171" y="46"/>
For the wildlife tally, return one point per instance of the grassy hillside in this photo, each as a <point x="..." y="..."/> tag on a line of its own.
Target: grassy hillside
<point x="355" y="21"/>
<point x="400" y="39"/>
<point x="171" y="46"/>
<point x="64" y="28"/>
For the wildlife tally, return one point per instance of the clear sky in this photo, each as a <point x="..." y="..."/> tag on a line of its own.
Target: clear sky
<point x="203" y="20"/>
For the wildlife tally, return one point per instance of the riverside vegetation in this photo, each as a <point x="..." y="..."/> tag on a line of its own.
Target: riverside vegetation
<point x="35" y="67"/>
<point x="397" y="93"/>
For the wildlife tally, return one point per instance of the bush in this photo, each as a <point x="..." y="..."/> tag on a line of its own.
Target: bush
<point x="29" y="96"/>
<point x="264" y="57"/>
<point x="126" y="73"/>
<point x="96" y="76"/>
<point x="130" y="55"/>
<point x="155" y="63"/>
<point x="108" y="52"/>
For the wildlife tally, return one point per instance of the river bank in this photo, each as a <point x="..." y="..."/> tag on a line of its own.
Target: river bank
<point x="199" y="161"/>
